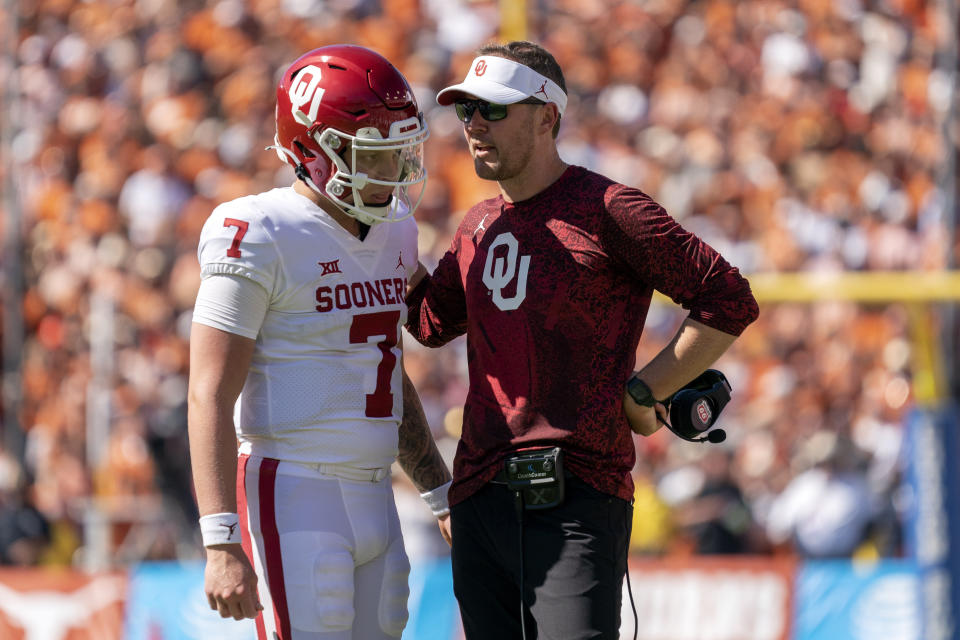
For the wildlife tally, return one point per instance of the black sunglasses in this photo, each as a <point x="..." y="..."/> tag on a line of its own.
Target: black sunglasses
<point x="490" y="111"/>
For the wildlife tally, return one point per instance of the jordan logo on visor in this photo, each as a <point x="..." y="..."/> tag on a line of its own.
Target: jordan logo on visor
<point x="481" y="68"/>
<point x="541" y="90"/>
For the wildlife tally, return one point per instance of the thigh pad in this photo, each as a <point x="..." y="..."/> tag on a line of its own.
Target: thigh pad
<point x="318" y="575"/>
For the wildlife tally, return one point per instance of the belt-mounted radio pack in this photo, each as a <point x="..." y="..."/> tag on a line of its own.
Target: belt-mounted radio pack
<point x="536" y="477"/>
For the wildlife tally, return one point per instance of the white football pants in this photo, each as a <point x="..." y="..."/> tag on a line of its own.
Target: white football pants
<point x="327" y="551"/>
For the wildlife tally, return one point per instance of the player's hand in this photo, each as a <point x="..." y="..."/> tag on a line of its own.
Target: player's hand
<point x="444" y="523"/>
<point x="231" y="583"/>
<point x="643" y="420"/>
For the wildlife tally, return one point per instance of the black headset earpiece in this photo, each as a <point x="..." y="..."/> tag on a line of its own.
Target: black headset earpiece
<point x="696" y="407"/>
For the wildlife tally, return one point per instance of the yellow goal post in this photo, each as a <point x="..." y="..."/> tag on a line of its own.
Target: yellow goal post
<point x="917" y="290"/>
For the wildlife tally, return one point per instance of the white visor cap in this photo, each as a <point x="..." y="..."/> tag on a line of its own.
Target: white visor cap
<point x="503" y="81"/>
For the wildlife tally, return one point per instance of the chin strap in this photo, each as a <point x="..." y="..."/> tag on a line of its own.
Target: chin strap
<point x="300" y="170"/>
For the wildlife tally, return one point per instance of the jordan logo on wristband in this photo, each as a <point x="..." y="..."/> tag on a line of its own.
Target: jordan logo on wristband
<point x="220" y="528"/>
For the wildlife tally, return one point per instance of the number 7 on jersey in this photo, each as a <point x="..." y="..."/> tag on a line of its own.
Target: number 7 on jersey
<point x="242" y="226"/>
<point x="364" y="327"/>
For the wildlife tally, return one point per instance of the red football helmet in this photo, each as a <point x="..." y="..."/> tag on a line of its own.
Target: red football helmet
<point x="346" y="119"/>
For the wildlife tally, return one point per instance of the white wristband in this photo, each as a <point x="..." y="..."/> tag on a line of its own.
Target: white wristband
<point x="436" y="499"/>
<point x="220" y="528"/>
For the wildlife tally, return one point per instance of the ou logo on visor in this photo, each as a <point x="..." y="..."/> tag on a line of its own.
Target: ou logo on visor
<point x="499" y="272"/>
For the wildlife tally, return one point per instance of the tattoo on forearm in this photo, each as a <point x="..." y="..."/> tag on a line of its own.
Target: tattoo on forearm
<point x="418" y="454"/>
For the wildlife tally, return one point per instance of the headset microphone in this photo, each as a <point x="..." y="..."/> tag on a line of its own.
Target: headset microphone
<point x="716" y="437"/>
<point x="696" y="407"/>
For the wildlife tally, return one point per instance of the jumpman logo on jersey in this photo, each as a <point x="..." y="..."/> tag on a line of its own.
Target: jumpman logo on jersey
<point x="541" y="90"/>
<point x="480" y="226"/>
<point x="230" y="526"/>
<point x="400" y="260"/>
<point x="330" y="267"/>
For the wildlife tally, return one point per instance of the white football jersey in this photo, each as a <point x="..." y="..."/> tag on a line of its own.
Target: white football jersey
<point x="324" y="384"/>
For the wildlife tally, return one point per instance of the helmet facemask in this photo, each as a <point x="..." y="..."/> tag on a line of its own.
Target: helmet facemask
<point x="367" y="158"/>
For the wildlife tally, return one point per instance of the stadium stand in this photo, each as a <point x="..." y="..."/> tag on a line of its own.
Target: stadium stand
<point x="793" y="136"/>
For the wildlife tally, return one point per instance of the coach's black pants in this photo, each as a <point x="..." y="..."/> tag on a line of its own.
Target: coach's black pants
<point x="575" y="557"/>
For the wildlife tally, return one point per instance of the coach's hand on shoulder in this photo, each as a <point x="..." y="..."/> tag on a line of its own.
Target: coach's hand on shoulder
<point x="643" y="420"/>
<point x="417" y="276"/>
<point x="231" y="583"/>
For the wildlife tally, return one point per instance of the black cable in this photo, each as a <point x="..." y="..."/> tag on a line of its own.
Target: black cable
<point x="518" y="506"/>
<point x="633" y="606"/>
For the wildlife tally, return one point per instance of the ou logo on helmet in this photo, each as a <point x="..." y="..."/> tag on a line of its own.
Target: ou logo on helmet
<point x="499" y="272"/>
<point x="305" y="90"/>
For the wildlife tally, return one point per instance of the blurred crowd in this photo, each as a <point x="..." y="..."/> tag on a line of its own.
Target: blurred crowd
<point x="793" y="135"/>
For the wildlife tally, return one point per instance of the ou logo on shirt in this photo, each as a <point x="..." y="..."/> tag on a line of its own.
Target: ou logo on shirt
<point x="499" y="272"/>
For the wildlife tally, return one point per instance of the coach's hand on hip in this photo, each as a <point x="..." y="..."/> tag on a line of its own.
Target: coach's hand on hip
<point x="643" y="420"/>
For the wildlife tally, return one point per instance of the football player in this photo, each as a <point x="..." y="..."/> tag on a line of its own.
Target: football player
<point x="295" y="356"/>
